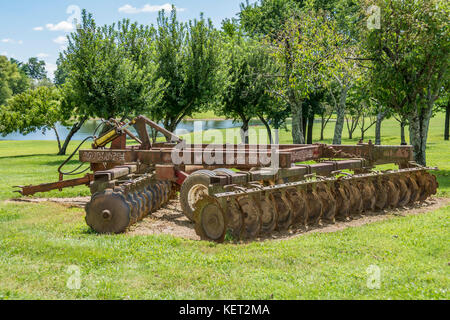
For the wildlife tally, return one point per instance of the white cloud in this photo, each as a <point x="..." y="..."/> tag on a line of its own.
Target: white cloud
<point x="42" y="55"/>
<point x="61" y="26"/>
<point x="12" y="41"/>
<point x="38" y="28"/>
<point x="147" y="8"/>
<point x="51" y="68"/>
<point x="60" y="40"/>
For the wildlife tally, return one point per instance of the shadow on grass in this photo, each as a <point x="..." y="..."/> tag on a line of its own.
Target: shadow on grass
<point x="30" y="155"/>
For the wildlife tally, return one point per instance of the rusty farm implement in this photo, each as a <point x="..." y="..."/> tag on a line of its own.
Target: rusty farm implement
<point x="245" y="190"/>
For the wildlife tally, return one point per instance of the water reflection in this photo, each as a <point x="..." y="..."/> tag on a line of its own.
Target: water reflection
<point x="88" y="128"/>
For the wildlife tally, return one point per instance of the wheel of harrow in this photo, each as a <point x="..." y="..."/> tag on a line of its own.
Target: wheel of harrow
<point x="423" y="183"/>
<point x="210" y="220"/>
<point x="298" y="205"/>
<point x="147" y="204"/>
<point x="342" y="197"/>
<point x="140" y="202"/>
<point x="392" y="191"/>
<point x="193" y="189"/>
<point x="356" y="200"/>
<point x="152" y="191"/>
<point x="284" y="210"/>
<point x="367" y="191"/>
<point x="404" y="192"/>
<point x="159" y="195"/>
<point x="269" y="215"/>
<point x="432" y="184"/>
<point x="149" y="197"/>
<point x="235" y="218"/>
<point x="252" y="218"/>
<point x="414" y="188"/>
<point x="314" y="206"/>
<point x="108" y="212"/>
<point x="381" y="194"/>
<point x="134" y="208"/>
<point x="166" y="190"/>
<point x="328" y="203"/>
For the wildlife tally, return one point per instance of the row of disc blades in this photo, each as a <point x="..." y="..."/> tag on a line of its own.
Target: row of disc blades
<point x="114" y="210"/>
<point x="248" y="216"/>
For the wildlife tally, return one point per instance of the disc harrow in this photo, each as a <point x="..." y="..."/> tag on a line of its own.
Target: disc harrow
<point x="113" y="210"/>
<point x="259" y="210"/>
<point x="246" y="191"/>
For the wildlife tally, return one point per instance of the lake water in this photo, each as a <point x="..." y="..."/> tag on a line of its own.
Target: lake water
<point x="88" y="128"/>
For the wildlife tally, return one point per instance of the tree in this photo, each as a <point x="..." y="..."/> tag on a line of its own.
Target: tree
<point x="108" y="72"/>
<point x="188" y="59"/>
<point x="346" y="75"/>
<point x="32" y="110"/>
<point x="34" y="69"/>
<point x="61" y="73"/>
<point x="305" y="52"/>
<point x="12" y="80"/>
<point x="267" y="17"/>
<point x="245" y="94"/>
<point x="410" y="54"/>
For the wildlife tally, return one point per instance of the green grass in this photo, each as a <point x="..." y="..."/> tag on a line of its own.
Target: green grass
<point x="39" y="242"/>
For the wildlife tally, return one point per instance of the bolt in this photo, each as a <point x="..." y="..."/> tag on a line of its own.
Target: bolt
<point x="106" y="214"/>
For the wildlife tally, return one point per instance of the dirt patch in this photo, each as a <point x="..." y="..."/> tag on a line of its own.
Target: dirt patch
<point x="78" y="202"/>
<point x="429" y="205"/>
<point x="171" y="220"/>
<point x="167" y="220"/>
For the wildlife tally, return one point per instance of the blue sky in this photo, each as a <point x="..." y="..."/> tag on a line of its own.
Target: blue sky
<point x="30" y="28"/>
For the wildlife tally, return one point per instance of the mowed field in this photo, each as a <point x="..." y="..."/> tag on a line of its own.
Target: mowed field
<point x="48" y="252"/>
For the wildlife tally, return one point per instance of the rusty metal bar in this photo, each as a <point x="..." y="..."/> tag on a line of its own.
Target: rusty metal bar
<point x="30" y="190"/>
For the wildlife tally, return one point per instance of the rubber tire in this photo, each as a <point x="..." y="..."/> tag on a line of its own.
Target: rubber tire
<point x="198" y="177"/>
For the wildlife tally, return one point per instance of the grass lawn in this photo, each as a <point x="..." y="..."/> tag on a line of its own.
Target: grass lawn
<point x="40" y="242"/>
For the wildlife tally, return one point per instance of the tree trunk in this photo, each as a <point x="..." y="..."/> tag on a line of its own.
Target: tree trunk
<point x="305" y="115"/>
<point x="310" y="127"/>
<point x="322" y="126"/>
<point x="244" y="131"/>
<point x="57" y="139"/>
<point x="447" y="121"/>
<point x="77" y="126"/>
<point x="380" y="118"/>
<point x="419" y="122"/>
<point x="297" y="123"/>
<point x="337" y="139"/>
<point x="269" y="131"/>
<point x="402" y="133"/>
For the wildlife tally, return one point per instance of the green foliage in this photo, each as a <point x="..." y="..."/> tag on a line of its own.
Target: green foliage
<point x="187" y="58"/>
<point x="38" y="109"/>
<point x="410" y="52"/>
<point x="245" y="95"/>
<point x="267" y="17"/>
<point x="34" y="69"/>
<point x="12" y="80"/>
<point x="109" y="74"/>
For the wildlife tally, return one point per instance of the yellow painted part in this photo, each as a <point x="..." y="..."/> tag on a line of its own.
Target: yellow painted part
<point x="105" y="139"/>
